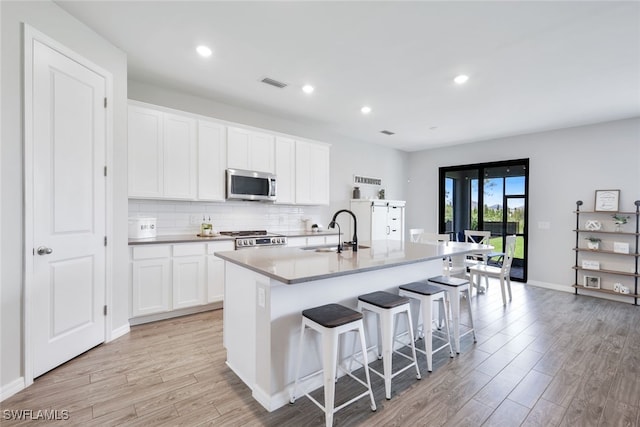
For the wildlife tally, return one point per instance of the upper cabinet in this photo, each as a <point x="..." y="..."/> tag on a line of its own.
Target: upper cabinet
<point x="162" y="154"/>
<point x="285" y="170"/>
<point x="212" y="160"/>
<point x="182" y="156"/>
<point x="250" y="150"/>
<point x="312" y="173"/>
<point x="146" y="156"/>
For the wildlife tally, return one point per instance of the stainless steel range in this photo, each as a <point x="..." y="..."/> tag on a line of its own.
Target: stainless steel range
<point x="256" y="238"/>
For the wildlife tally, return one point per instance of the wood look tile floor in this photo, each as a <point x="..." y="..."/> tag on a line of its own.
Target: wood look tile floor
<point x="546" y="359"/>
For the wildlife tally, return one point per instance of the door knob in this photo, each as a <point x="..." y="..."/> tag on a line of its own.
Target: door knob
<point x="43" y="250"/>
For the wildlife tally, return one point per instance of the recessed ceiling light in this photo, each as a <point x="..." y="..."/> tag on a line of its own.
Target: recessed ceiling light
<point x="204" y="51"/>
<point x="308" y="89"/>
<point x="365" y="110"/>
<point x="461" y="79"/>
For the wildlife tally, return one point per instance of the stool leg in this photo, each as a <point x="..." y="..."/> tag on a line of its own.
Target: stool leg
<point x="427" y="328"/>
<point x="473" y="328"/>
<point x="299" y="362"/>
<point x="386" y="321"/>
<point x="413" y="344"/>
<point x="329" y="354"/>
<point x="454" y="302"/>
<point x="446" y="324"/>
<point x="365" y="362"/>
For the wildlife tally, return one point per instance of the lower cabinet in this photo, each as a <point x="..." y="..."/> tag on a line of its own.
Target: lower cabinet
<point x="172" y="277"/>
<point x="301" y="241"/>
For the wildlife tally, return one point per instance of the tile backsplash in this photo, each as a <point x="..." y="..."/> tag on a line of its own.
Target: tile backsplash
<point x="184" y="217"/>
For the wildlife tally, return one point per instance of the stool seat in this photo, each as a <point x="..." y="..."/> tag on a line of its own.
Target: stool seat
<point x="449" y="281"/>
<point x="332" y="315"/>
<point x="383" y="299"/>
<point x="421" y="288"/>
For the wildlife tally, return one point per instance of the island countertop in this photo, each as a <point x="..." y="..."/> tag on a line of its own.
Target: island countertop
<point x="298" y="265"/>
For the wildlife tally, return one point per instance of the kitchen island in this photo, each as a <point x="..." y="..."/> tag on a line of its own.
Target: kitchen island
<point x="266" y="290"/>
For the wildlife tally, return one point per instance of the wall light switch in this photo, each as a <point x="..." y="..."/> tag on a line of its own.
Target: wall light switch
<point x="544" y="225"/>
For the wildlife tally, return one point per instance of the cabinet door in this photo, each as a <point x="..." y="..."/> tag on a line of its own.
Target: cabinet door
<point x="145" y="152"/>
<point x="215" y="279"/>
<point x="150" y="286"/>
<point x="179" y="157"/>
<point x="285" y="170"/>
<point x="212" y="160"/>
<point x="188" y="281"/>
<point x="379" y="225"/>
<point x="262" y="152"/>
<point x="320" y="174"/>
<point x="303" y="173"/>
<point x="296" y="242"/>
<point x="238" y="141"/>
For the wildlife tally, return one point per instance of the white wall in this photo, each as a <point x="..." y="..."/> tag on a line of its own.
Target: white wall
<point x="49" y="19"/>
<point x="565" y="165"/>
<point x="348" y="157"/>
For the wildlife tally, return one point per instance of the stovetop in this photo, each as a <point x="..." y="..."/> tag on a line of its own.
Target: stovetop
<point x="248" y="233"/>
<point x="256" y="238"/>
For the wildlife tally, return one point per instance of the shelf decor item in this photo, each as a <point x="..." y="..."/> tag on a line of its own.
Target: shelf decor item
<point x="592" y="282"/>
<point x="593" y="242"/>
<point x="621" y="247"/>
<point x="590" y="264"/>
<point x="607" y="200"/>
<point x="592" y="225"/>
<point x="619" y="221"/>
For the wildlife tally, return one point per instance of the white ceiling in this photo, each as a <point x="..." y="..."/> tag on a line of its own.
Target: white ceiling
<point x="533" y="66"/>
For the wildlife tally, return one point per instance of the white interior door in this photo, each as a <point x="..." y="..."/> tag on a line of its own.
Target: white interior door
<point x="69" y="201"/>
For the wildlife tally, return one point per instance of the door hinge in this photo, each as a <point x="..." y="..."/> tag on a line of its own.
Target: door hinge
<point x="105" y="103"/>
<point x="104" y="310"/>
<point x="105" y="171"/>
<point x="105" y="240"/>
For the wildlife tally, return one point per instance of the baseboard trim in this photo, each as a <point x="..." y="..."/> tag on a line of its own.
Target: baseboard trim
<point x="8" y="390"/>
<point x="552" y="286"/>
<point x="174" y="313"/>
<point x="118" y="332"/>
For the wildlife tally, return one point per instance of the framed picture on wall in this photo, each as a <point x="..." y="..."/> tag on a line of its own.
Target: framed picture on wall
<point x="592" y="282"/>
<point x="607" y="200"/>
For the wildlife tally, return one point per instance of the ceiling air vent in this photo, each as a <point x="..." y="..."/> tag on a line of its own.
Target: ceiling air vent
<point x="387" y="132"/>
<point x="273" y="82"/>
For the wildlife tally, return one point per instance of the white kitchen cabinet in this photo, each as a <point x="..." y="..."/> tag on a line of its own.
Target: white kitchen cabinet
<point x="301" y="241"/>
<point x="189" y="284"/>
<point x="379" y="219"/>
<point x="250" y="150"/>
<point x="212" y="160"/>
<point x="215" y="270"/>
<point x="286" y="170"/>
<point x="162" y="154"/>
<point x="312" y="173"/>
<point x="179" y="157"/>
<point x="146" y="156"/>
<point x="150" y="282"/>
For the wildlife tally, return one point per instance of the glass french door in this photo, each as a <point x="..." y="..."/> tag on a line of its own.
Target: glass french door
<point x="491" y="197"/>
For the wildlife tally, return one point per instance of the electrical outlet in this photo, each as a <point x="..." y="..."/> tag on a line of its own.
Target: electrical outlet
<point x="261" y="297"/>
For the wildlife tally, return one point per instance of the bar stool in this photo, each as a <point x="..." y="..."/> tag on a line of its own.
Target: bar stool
<point x="330" y="321"/>
<point x="427" y="294"/>
<point x="386" y="306"/>
<point x="456" y="288"/>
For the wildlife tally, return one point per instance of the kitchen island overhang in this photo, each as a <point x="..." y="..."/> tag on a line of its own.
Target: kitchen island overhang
<point x="267" y="289"/>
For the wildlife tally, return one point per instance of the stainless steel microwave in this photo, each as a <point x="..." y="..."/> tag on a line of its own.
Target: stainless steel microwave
<point x="250" y="185"/>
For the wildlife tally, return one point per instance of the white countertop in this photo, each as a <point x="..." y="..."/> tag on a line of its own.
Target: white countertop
<point x="188" y="238"/>
<point x="296" y="265"/>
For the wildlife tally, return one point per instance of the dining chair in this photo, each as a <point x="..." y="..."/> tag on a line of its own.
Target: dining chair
<point x="415" y="233"/>
<point x="502" y="273"/>
<point x="433" y="237"/>
<point x="482" y="238"/>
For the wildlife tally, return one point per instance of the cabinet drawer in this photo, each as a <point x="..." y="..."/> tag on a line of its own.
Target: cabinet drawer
<point x="315" y="240"/>
<point x="220" y="247"/>
<point x="151" y="251"/>
<point x="188" y="250"/>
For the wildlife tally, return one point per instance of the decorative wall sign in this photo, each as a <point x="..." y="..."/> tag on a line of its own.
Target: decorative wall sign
<point x="357" y="179"/>
<point x="592" y="225"/>
<point x="592" y="282"/>
<point x="590" y="265"/>
<point x="621" y="247"/>
<point x="607" y="200"/>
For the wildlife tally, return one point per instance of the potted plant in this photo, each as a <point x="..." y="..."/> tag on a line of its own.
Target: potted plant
<point x="619" y="221"/>
<point x="593" y="242"/>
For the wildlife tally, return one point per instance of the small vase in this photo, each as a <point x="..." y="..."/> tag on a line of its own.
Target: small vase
<point x="618" y="226"/>
<point x="356" y="192"/>
<point x="593" y="245"/>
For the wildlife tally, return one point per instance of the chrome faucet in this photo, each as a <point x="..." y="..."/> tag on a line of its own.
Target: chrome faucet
<point x="332" y="224"/>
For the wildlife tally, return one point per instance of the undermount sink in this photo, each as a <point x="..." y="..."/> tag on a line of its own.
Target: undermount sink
<point x="332" y="248"/>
